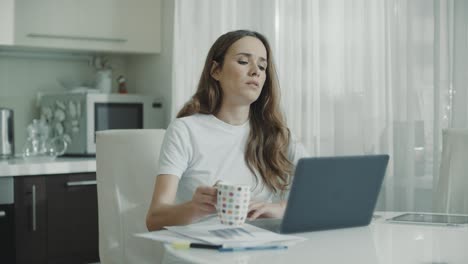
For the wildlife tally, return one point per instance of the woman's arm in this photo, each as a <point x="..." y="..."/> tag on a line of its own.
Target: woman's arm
<point x="163" y="211"/>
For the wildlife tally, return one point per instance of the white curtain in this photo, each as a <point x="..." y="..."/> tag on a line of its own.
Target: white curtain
<point x="357" y="76"/>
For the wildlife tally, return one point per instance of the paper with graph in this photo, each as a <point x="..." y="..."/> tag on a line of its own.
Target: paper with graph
<point x="214" y="233"/>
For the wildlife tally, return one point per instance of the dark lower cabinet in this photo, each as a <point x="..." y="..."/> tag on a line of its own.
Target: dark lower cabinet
<point x="7" y="233"/>
<point x="73" y="219"/>
<point x="56" y="219"/>
<point x="31" y="219"/>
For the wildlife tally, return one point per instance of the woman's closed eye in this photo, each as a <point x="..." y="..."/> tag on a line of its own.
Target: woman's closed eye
<point x="261" y="67"/>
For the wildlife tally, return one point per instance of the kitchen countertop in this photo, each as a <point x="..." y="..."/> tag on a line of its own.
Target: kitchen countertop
<point x="20" y="167"/>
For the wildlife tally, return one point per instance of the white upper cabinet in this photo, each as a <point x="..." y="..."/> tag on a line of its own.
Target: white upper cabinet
<point x="130" y="26"/>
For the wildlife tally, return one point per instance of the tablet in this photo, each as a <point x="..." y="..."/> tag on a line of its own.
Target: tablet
<point x="436" y="219"/>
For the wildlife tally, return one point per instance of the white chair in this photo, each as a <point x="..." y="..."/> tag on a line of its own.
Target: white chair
<point x="127" y="163"/>
<point x="451" y="192"/>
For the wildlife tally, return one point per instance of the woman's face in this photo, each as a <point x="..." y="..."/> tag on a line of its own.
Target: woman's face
<point x="243" y="73"/>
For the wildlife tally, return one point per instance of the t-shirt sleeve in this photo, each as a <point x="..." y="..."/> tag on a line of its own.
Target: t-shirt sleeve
<point x="175" y="150"/>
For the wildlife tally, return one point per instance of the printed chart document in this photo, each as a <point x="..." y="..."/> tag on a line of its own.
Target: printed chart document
<point x="167" y="236"/>
<point x="228" y="236"/>
<point x="211" y="231"/>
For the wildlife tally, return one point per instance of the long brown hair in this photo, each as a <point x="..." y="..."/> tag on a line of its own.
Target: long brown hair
<point x="266" y="152"/>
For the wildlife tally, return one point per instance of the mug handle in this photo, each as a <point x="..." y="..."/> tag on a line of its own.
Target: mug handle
<point x="216" y="184"/>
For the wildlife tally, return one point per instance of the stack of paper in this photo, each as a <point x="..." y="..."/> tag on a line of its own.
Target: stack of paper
<point x="211" y="232"/>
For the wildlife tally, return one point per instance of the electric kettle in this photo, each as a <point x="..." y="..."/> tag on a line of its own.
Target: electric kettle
<point x="7" y="144"/>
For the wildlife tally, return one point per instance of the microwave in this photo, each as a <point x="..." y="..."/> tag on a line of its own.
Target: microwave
<point x="77" y="116"/>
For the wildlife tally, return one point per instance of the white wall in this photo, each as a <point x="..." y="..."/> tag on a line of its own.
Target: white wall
<point x="22" y="75"/>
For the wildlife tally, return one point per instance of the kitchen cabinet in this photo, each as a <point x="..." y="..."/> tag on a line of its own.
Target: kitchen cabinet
<point x="105" y="25"/>
<point x="7" y="221"/>
<point x="7" y="231"/>
<point x="73" y="219"/>
<point x="56" y="218"/>
<point x="30" y="219"/>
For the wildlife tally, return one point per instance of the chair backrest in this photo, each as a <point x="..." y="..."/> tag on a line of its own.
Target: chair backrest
<point x="127" y="163"/>
<point x="451" y="192"/>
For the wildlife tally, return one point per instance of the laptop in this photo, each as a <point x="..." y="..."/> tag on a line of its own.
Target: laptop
<point x="330" y="193"/>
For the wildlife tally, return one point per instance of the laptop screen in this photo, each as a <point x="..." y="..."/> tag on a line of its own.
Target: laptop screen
<point x="334" y="192"/>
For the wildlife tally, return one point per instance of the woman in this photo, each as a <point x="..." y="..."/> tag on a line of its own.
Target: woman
<point x="231" y="130"/>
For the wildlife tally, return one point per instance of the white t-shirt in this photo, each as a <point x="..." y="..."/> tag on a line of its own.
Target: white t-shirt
<point x="201" y="149"/>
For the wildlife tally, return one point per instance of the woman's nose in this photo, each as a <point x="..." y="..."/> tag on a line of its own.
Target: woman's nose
<point x="254" y="71"/>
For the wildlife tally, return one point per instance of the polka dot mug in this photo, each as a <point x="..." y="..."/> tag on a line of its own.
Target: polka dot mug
<point x="233" y="203"/>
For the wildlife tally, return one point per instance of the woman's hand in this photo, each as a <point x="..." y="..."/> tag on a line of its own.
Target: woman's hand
<point x="265" y="210"/>
<point x="204" y="201"/>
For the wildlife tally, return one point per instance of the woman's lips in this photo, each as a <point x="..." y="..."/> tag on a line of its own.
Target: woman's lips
<point x="253" y="83"/>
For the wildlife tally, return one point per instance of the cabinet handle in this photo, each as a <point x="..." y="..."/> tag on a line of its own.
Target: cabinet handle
<point x="2" y="214"/>
<point x="33" y="190"/>
<point x="80" y="183"/>
<point x="71" y="37"/>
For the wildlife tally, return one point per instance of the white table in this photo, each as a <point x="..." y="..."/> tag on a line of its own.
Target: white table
<point x="381" y="242"/>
